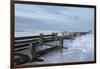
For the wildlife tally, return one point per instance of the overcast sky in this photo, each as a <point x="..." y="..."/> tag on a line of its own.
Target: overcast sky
<point x="47" y="18"/>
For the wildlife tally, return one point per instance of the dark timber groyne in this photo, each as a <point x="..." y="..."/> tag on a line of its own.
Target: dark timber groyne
<point x="29" y="48"/>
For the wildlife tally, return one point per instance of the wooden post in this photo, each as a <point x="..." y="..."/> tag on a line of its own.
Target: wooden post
<point x="63" y="36"/>
<point x="61" y="42"/>
<point x="67" y="36"/>
<point x="41" y="39"/>
<point x="72" y="34"/>
<point x="32" y="50"/>
<point x="55" y="36"/>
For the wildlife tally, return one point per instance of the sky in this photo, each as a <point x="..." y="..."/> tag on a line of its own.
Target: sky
<point x="35" y="19"/>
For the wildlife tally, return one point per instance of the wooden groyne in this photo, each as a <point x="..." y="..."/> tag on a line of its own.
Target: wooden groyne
<point x="25" y="42"/>
<point x="35" y="45"/>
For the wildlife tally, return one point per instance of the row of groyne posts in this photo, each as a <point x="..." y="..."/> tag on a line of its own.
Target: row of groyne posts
<point x="33" y="47"/>
<point x="34" y="43"/>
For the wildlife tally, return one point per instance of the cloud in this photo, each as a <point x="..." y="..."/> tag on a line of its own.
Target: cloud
<point x="53" y="17"/>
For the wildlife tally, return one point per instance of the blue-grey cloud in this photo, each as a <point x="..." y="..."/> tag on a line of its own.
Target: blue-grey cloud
<point x="39" y="17"/>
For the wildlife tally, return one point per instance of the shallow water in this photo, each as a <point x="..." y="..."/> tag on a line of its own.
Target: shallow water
<point x="78" y="50"/>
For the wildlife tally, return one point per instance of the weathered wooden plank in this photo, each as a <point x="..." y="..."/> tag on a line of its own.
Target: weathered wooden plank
<point x="28" y="37"/>
<point x="21" y="45"/>
<point x="20" y="49"/>
<point x="26" y="41"/>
